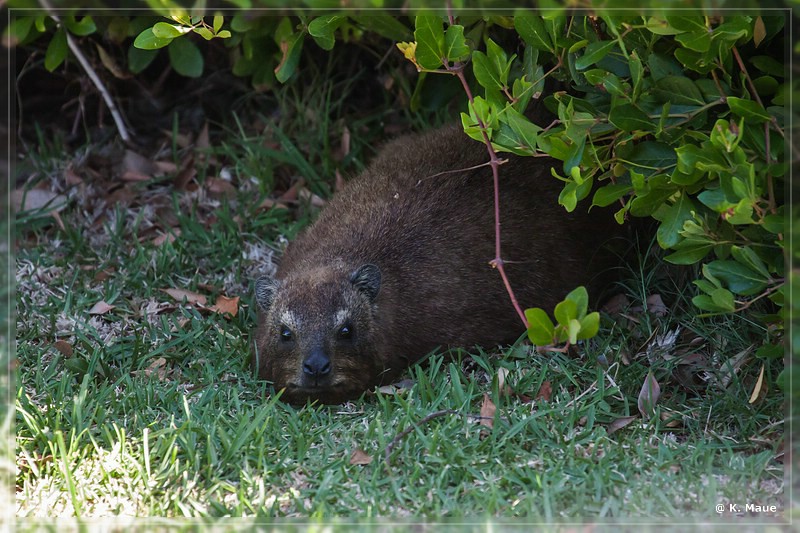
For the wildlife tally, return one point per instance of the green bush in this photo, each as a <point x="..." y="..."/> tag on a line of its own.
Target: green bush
<point x="678" y="117"/>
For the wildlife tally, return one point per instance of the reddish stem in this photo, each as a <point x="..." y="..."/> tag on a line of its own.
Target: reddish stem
<point x="494" y="162"/>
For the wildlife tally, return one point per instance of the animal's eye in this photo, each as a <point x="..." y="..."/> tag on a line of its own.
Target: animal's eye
<point x="346" y="331"/>
<point x="286" y="333"/>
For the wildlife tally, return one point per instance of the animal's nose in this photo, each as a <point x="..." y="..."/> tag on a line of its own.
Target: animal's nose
<point x="317" y="364"/>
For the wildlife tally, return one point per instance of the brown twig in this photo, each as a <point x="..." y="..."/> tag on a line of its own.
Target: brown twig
<point x="770" y="186"/>
<point x="502" y="162"/>
<point x="87" y="67"/>
<point x="458" y="69"/>
<point x="767" y="292"/>
<point x="437" y="414"/>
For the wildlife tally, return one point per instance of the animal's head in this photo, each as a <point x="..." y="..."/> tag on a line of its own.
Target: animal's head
<point x="317" y="333"/>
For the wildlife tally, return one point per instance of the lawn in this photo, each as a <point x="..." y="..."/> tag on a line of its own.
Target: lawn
<point x="134" y="396"/>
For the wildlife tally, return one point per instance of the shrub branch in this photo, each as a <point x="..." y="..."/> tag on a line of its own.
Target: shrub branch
<point x="87" y="67"/>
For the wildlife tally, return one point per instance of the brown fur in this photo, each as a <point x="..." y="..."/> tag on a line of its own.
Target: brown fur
<point x="431" y="238"/>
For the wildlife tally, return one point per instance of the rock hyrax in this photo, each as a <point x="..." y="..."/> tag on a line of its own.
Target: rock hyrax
<point x="397" y="264"/>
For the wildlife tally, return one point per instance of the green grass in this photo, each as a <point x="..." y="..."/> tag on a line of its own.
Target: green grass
<point x="158" y="414"/>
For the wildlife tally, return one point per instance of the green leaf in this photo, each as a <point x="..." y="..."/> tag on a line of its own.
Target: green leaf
<point x="637" y="73"/>
<point x="723" y="136"/>
<point x="581" y="299"/>
<point x="429" y="36"/>
<point x="751" y="111"/>
<point x="594" y="53"/>
<point x="484" y="71"/>
<point x="661" y="66"/>
<point x="148" y="41"/>
<point x="738" y="278"/>
<point x="217" y="23"/>
<point x="455" y="45"/>
<point x="684" y="23"/>
<point x="290" y="56"/>
<point x="523" y="127"/>
<point x="139" y="59"/>
<point x="204" y="32"/>
<point x="748" y="257"/>
<point x="672" y="220"/>
<point x="769" y="65"/>
<point x="17" y="31"/>
<point x="500" y="61"/>
<point x="775" y="223"/>
<point x="771" y="351"/>
<point x="660" y="26"/>
<point x="707" y="303"/>
<point x="164" y="30"/>
<point x="56" y="51"/>
<point x="690" y="250"/>
<point x="732" y="30"/>
<point x="678" y="90"/>
<point x="707" y="158"/>
<point x="565" y="311"/>
<point x="185" y="58"/>
<point x="385" y="26"/>
<point x="85" y="26"/>
<point x="323" y="28"/>
<point x="573" y="328"/>
<point x="648" y="157"/>
<point x="609" y="194"/>
<point x="699" y="41"/>
<point x="629" y="118"/>
<point x="522" y="90"/>
<point x="532" y="30"/>
<point x="590" y="325"/>
<point x="540" y="328"/>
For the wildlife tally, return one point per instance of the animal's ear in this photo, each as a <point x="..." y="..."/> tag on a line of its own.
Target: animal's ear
<point x="367" y="279"/>
<point x="266" y="288"/>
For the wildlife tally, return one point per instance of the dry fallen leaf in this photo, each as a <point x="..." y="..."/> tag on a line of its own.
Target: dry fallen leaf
<point x="158" y="366"/>
<point x="132" y="175"/>
<point x="487" y="412"/>
<point x="138" y="164"/>
<point x="648" y="396"/>
<point x="64" y="347"/>
<point x="291" y="193"/>
<point x="759" y="31"/>
<point x="71" y="177"/>
<point x="339" y="183"/>
<point x="360" y="457"/>
<point x="226" y="305"/>
<point x="191" y="297"/>
<point x="545" y="392"/>
<point x="167" y="237"/>
<point x="111" y="65"/>
<point x="166" y="167"/>
<point x="671" y="419"/>
<point x="311" y="198"/>
<point x="269" y="203"/>
<point x="100" y="308"/>
<point x="397" y="388"/>
<point x="502" y="373"/>
<point x="655" y="305"/>
<point x="620" y="423"/>
<point x="186" y="173"/>
<point x="220" y="187"/>
<point x="346" y="141"/>
<point x="36" y="199"/>
<point x="616" y="304"/>
<point x="102" y="275"/>
<point x="202" y="140"/>
<point x="757" y="388"/>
